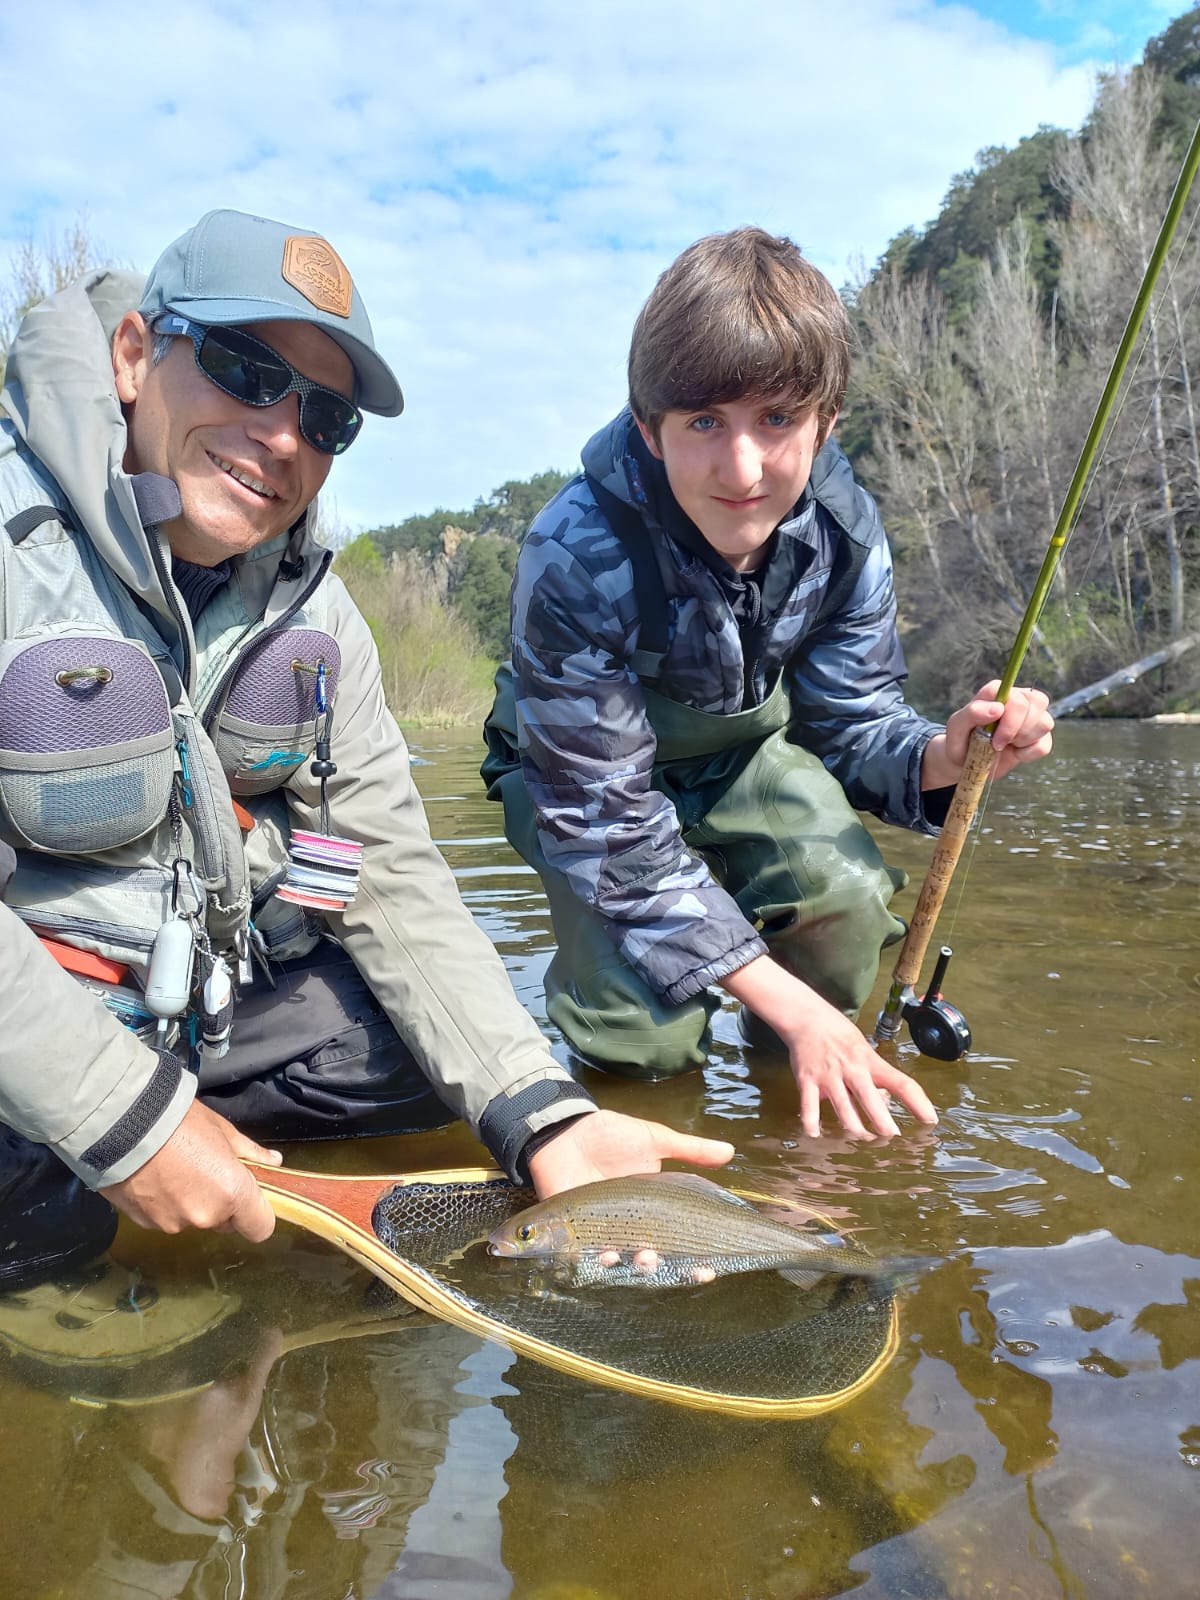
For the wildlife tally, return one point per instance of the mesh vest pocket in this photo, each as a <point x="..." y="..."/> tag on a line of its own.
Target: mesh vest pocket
<point x="86" y="748"/>
<point x="268" y="723"/>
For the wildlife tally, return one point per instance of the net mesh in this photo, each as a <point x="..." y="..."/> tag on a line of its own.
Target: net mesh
<point x="752" y="1337"/>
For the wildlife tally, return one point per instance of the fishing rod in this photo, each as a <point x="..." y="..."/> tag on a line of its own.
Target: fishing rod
<point x="939" y="1029"/>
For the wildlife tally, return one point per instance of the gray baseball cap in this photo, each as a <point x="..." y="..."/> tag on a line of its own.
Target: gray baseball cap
<point x="232" y="268"/>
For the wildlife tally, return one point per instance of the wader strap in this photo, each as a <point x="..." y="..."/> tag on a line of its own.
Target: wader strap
<point x="637" y="542"/>
<point x="685" y="734"/>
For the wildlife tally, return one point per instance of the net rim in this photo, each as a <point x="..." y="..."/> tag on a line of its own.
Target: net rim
<point x="422" y="1290"/>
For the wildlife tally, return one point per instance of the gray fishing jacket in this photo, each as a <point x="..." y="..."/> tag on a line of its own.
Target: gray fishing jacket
<point x="96" y="831"/>
<point x="586" y="745"/>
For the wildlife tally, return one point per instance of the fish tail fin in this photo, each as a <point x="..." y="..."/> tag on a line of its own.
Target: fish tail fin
<point x="901" y="1272"/>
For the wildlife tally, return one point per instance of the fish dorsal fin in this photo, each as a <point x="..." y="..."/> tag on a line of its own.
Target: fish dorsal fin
<point x="699" y="1185"/>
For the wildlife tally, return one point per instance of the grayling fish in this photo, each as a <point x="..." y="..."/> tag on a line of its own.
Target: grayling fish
<point x="696" y="1230"/>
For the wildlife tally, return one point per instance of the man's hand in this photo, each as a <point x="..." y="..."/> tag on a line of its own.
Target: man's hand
<point x="830" y="1059"/>
<point x="608" y="1144"/>
<point x="199" y="1437"/>
<point x="197" y="1180"/>
<point x="1023" y="732"/>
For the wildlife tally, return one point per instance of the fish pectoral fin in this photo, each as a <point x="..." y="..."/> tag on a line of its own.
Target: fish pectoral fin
<point x="802" y="1277"/>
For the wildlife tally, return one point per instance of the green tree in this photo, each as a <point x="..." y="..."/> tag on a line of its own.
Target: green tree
<point x="481" y="595"/>
<point x="421" y="534"/>
<point x="360" y="561"/>
<point x="980" y="204"/>
<point x="1175" y="52"/>
<point x="508" y="510"/>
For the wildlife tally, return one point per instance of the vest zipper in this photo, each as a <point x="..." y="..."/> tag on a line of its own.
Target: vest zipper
<point x="200" y="804"/>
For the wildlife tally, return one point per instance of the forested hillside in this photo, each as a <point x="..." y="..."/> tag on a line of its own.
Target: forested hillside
<point x="984" y="341"/>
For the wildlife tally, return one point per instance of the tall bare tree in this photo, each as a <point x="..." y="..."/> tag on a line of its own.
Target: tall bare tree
<point x="1118" y="180"/>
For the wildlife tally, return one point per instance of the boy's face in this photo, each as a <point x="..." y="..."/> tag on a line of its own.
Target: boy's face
<point x="737" y="469"/>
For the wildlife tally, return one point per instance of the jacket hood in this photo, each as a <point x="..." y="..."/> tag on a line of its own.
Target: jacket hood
<point x="60" y="397"/>
<point x="609" y="456"/>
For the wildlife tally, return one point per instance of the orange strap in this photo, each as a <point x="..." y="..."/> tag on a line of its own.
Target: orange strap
<point x="245" y="818"/>
<point x="84" y="962"/>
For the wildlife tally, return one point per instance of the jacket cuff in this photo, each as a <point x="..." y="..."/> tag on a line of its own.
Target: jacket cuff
<point x="676" y="994"/>
<point x="142" y="1129"/>
<point x="510" y="1121"/>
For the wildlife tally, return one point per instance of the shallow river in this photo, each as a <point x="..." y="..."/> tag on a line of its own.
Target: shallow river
<point x="219" y="1420"/>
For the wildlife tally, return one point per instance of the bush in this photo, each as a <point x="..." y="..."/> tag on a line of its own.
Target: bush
<point x="434" y="670"/>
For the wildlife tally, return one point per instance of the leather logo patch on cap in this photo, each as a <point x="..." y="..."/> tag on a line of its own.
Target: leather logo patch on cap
<point x="313" y="267"/>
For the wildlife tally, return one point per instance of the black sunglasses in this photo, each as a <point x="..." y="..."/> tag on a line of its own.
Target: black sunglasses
<point x="252" y="372"/>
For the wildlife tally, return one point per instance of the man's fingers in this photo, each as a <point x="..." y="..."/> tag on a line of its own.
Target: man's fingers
<point x="246" y="1149"/>
<point x="253" y="1217"/>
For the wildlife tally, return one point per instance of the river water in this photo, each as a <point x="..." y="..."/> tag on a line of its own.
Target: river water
<point x="218" y="1420"/>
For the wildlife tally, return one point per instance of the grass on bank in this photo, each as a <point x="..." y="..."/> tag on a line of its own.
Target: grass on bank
<point x="435" y="673"/>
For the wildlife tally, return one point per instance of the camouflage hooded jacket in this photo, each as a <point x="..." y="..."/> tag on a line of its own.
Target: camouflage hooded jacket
<point x="586" y="745"/>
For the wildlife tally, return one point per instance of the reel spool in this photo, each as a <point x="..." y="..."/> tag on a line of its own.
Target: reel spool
<point x="938" y="1029"/>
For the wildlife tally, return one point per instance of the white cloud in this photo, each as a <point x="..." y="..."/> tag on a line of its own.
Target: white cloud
<point x="506" y="181"/>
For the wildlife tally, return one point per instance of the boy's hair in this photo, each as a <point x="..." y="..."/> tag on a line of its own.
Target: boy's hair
<point x="739" y="315"/>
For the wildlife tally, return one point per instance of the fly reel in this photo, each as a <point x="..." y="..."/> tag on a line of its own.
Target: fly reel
<point x="939" y="1030"/>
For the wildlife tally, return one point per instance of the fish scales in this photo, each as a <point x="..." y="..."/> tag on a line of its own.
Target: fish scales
<point x="691" y="1224"/>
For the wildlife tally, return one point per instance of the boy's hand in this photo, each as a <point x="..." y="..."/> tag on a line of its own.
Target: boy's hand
<point x="830" y="1059"/>
<point x="1023" y="732"/>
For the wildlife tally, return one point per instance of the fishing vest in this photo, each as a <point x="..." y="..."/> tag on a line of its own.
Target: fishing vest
<point x="112" y="775"/>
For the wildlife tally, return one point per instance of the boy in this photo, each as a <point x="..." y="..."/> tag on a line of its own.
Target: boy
<point x="706" y="686"/>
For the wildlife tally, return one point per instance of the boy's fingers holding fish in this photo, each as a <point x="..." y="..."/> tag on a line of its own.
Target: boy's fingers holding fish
<point x="643" y="1260"/>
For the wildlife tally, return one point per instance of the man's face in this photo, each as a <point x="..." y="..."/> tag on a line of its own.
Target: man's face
<point x="737" y="469"/>
<point x="244" y="473"/>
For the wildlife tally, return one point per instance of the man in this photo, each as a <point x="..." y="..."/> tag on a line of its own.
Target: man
<point x="705" y="687"/>
<point x="173" y="637"/>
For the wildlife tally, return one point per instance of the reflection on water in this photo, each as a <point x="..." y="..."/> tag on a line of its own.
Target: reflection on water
<point x="212" y="1419"/>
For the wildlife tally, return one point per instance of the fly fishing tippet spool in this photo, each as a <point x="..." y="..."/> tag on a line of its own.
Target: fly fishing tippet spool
<point x="322" y="868"/>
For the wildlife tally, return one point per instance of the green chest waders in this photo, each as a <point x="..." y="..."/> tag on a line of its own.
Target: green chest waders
<point x="777" y="832"/>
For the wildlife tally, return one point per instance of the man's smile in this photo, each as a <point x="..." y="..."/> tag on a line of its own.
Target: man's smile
<point x="244" y="477"/>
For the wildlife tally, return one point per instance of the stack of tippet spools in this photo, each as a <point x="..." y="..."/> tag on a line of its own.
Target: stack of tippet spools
<point x="322" y="871"/>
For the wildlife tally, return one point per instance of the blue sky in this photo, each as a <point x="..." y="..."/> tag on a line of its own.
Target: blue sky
<point x="506" y="180"/>
<point x="1107" y="31"/>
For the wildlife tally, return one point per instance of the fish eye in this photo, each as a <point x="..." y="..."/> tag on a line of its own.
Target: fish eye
<point x="525" y="1232"/>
